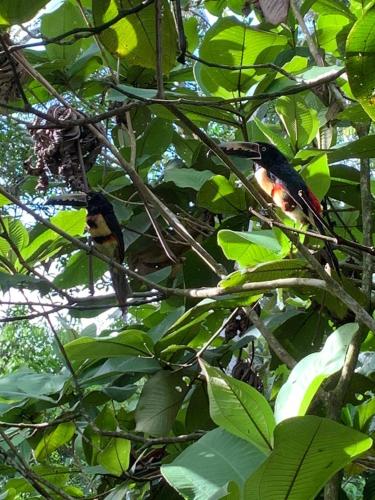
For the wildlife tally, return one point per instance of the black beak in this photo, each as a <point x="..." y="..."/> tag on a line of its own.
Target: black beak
<point x="248" y="150"/>
<point x="69" y="199"/>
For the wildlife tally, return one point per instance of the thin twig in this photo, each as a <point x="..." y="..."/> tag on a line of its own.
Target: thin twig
<point x="272" y="66"/>
<point x="159" y="48"/>
<point x="184" y="438"/>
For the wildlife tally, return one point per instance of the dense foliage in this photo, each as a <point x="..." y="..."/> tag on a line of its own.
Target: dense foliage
<point x="244" y="367"/>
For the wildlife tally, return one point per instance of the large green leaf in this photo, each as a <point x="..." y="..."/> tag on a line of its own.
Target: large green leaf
<point x="54" y="439"/>
<point x="361" y="148"/>
<point x="221" y="196"/>
<point x="47" y="242"/>
<point x="160" y="400"/>
<point x="239" y="408"/>
<point x="308" y="451"/>
<point x="332" y="32"/>
<point x="65" y="18"/>
<point x="329" y="7"/>
<point x="317" y="176"/>
<point x="134" y="37"/>
<point x="16" y="231"/>
<point x="364" y="414"/>
<point x="188" y="325"/>
<point x="17" y="11"/>
<point x="307" y="376"/>
<point x="360" y="56"/>
<point x="130" y="342"/>
<point x="187" y="177"/>
<point x="204" y="469"/>
<point x="300" y="121"/>
<point x="77" y="271"/>
<point x="191" y="29"/>
<point x="115" y="456"/>
<point x="156" y="139"/>
<point x="275" y="138"/>
<point x="4" y="200"/>
<point x="230" y="42"/>
<point x="251" y="248"/>
<point x="112" y="368"/>
<point x="264" y="272"/>
<point x="22" y="281"/>
<point x="27" y="384"/>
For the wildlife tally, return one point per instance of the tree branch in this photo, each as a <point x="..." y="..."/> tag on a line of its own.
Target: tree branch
<point x="272" y="341"/>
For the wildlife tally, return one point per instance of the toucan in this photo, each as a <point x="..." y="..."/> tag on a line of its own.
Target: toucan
<point x="105" y="231"/>
<point x="279" y="180"/>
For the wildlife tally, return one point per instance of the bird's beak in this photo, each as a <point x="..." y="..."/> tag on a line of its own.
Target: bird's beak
<point x="69" y="199"/>
<point x="242" y="149"/>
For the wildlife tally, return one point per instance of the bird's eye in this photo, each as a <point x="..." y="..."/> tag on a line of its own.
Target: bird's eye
<point x="264" y="148"/>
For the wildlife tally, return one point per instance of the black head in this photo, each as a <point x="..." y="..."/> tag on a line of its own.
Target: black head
<point x="265" y="155"/>
<point x="97" y="203"/>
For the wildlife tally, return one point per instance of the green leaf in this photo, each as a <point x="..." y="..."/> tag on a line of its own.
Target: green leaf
<point x="317" y="176"/>
<point x="239" y="408"/>
<point x="360" y="56"/>
<point x="361" y="148"/>
<point x="329" y="7"/>
<point x="76" y="271"/>
<point x="134" y="37"/>
<point x="221" y="196"/>
<point x="215" y="7"/>
<point x="22" y="281"/>
<point x="130" y="342"/>
<point x="3" y="199"/>
<point x="16" y="231"/>
<point x="332" y="31"/>
<point x="308" y="451"/>
<point x="364" y="414"/>
<point x="117" y="95"/>
<point x="156" y="139"/>
<point x="71" y="221"/>
<point x="185" y="328"/>
<point x="112" y="368"/>
<point x="252" y="248"/>
<point x="197" y="412"/>
<point x="115" y="456"/>
<point x="300" y="122"/>
<point x="239" y="44"/>
<point x="56" y="474"/>
<point x="17" y="12"/>
<point x="264" y="272"/>
<point x="204" y="469"/>
<point x="191" y="29"/>
<point x="28" y="384"/>
<point x="160" y="400"/>
<point x="274" y="137"/>
<point x="53" y="440"/>
<point x="187" y="177"/>
<point x="307" y="376"/>
<point x="65" y="18"/>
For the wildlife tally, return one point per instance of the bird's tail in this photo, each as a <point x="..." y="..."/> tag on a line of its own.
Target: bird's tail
<point x="121" y="287"/>
<point x="331" y="257"/>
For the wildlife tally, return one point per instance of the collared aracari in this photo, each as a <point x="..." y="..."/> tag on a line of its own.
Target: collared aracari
<point x="278" y="179"/>
<point x="105" y="232"/>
